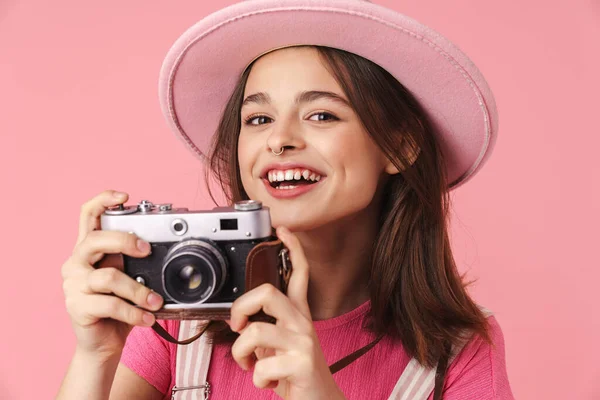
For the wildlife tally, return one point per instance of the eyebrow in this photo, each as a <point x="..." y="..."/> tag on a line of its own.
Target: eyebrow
<point x="263" y="98"/>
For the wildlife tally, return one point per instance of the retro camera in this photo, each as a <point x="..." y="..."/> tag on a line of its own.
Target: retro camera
<point x="200" y="261"/>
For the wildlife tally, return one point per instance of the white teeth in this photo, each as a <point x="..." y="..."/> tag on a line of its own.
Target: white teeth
<point x="292" y="174"/>
<point x="280" y="187"/>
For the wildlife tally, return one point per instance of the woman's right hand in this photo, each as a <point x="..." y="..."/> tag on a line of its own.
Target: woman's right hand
<point x="101" y="320"/>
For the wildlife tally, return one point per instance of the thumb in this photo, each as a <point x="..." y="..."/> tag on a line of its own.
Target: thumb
<point x="297" y="289"/>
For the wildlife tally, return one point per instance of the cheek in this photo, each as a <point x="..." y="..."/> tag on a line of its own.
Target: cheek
<point x="243" y="149"/>
<point x="360" y="165"/>
<point x="245" y="162"/>
<point x="361" y="185"/>
<point x="360" y="160"/>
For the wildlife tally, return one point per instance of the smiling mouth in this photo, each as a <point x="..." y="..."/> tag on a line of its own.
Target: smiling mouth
<point x="292" y="178"/>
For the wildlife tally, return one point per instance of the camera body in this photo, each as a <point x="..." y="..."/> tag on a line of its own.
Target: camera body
<point x="200" y="261"/>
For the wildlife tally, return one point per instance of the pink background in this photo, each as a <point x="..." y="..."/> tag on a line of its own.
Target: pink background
<point x="79" y="113"/>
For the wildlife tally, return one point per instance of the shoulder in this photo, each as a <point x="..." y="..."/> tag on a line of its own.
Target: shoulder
<point x="480" y="366"/>
<point x="477" y="344"/>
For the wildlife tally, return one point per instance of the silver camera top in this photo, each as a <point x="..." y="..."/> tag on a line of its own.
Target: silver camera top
<point x="246" y="220"/>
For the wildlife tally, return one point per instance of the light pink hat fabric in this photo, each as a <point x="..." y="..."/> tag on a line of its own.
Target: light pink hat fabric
<point x="204" y="64"/>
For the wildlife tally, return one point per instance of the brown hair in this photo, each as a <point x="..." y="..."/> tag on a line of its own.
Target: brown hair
<point x="417" y="294"/>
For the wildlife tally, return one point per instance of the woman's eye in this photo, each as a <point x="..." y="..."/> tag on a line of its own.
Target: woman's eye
<point x="256" y="120"/>
<point x="262" y="119"/>
<point x="323" y="116"/>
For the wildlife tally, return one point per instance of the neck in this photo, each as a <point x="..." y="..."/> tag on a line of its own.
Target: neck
<point x="339" y="256"/>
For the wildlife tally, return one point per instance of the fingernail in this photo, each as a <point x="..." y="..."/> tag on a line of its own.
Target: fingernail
<point x="154" y="299"/>
<point x="143" y="246"/>
<point x="148" y="319"/>
<point x="119" y="195"/>
<point x="232" y="325"/>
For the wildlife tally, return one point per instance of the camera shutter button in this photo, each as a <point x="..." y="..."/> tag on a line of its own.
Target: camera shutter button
<point x="248" y="205"/>
<point x="121" y="210"/>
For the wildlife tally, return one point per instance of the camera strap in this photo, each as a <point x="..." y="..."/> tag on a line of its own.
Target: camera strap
<point x="335" y="367"/>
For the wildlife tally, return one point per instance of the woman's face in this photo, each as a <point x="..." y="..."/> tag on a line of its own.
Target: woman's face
<point x="291" y="101"/>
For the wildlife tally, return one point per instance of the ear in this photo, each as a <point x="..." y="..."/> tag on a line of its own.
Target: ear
<point x="410" y="153"/>
<point x="391" y="169"/>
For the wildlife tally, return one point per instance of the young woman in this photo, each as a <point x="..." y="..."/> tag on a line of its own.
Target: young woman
<point x="351" y="123"/>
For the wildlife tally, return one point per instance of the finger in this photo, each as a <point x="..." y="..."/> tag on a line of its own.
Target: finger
<point x="74" y="267"/>
<point x="270" y="370"/>
<point x="269" y="299"/>
<point x="89" y="219"/>
<point x="111" y="280"/>
<point x="99" y="243"/>
<point x="91" y="308"/>
<point x="297" y="288"/>
<point x="260" y="335"/>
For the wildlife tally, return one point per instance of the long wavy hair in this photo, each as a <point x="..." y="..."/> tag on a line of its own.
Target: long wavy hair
<point x="416" y="292"/>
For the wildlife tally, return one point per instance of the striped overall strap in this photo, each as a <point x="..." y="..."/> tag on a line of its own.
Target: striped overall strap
<point x="192" y="364"/>
<point x="417" y="381"/>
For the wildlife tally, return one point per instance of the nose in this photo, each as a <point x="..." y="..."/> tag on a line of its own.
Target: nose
<point x="285" y="134"/>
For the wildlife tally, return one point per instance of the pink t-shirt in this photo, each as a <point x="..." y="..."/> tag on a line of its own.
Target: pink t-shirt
<point x="477" y="373"/>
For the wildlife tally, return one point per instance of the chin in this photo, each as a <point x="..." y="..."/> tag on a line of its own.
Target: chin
<point x="296" y="222"/>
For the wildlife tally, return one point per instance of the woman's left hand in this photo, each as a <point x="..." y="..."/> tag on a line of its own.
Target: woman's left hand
<point x="286" y="356"/>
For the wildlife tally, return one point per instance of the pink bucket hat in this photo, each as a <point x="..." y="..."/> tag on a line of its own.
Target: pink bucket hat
<point x="203" y="66"/>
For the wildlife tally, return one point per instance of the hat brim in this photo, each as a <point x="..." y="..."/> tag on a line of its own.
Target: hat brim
<point x="203" y="66"/>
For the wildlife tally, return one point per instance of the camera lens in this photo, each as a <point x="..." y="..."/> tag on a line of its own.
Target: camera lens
<point x="190" y="277"/>
<point x="194" y="271"/>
